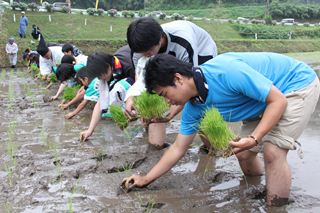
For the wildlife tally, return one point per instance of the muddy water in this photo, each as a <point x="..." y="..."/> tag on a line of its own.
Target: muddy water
<point x="45" y="168"/>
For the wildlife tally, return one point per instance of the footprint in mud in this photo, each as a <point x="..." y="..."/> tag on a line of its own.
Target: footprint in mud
<point x="152" y="205"/>
<point x="46" y="99"/>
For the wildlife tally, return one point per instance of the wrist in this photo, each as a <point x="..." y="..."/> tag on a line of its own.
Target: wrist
<point x="254" y="138"/>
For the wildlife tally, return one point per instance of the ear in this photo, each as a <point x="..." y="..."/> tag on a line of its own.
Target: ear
<point x="178" y="78"/>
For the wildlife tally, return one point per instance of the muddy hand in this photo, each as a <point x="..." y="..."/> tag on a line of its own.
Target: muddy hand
<point x="127" y="184"/>
<point x="84" y="135"/>
<point x="239" y="145"/>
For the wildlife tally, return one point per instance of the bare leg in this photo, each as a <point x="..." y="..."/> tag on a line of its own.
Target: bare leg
<point x="278" y="174"/>
<point x="250" y="164"/>
<point x="157" y="134"/>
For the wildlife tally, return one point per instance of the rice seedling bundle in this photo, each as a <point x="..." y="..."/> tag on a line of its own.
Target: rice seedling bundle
<point x="216" y="130"/>
<point x="34" y="68"/>
<point x="70" y="92"/>
<point x="53" y="78"/>
<point x="118" y="116"/>
<point x="150" y="106"/>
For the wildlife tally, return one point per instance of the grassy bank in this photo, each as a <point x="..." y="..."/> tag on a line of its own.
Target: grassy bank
<point x="94" y="33"/>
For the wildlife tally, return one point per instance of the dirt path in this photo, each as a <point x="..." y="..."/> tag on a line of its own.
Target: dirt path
<point x="44" y="167"/>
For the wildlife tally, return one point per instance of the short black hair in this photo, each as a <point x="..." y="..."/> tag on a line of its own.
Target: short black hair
<point x="161" y="70"/>
<point x="67" y="47"/>
<point x="143" y="34"/>
<point x="65" y="72"/>
<point x="84" y="73"/>
<point x="68" y="59"/>
<point x="98" y="63"/>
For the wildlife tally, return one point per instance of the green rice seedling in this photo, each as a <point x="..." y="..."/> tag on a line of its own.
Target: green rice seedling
<point x="3" y="74"/>
<point x="118" y="116"/>
<point x="216" y="130"/>
<point x="150" y="106"/>
<point x="9" y="170"/>
<point x="53" y="78"/>
<point x="70" y="92"/>
<point x="34" y="68"/>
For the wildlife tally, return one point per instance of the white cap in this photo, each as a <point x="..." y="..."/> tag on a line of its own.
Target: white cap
<point x="22" y="12"/>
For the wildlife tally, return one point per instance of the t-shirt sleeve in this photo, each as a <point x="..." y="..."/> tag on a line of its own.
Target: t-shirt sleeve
<point x="191" y="118"/>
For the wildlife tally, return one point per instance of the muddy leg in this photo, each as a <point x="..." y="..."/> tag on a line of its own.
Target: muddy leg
<point x="278" y="175"/>
<point x="157" y="134"/>
<point x="250" y="164"/>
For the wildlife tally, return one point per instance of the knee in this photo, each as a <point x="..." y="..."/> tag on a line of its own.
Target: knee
<point x="244" y="156"/>
<point x="273" y="154"/>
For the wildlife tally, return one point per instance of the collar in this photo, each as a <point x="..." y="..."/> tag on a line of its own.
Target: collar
<point x="201" y="85"/>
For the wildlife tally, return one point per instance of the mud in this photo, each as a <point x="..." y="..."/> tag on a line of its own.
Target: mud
<point x="45" y="168"/>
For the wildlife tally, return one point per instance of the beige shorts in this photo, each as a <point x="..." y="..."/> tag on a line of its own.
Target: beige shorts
<point x="301" y="105"/>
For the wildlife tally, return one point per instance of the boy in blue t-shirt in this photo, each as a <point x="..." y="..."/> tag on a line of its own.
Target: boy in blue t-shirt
<point x="272" y="94"/>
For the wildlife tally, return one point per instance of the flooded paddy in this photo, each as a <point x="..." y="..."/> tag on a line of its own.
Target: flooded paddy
<point x="45" y="168"/>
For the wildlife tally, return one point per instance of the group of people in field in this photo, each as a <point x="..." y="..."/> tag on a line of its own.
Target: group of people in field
<point x="272" y="94"/>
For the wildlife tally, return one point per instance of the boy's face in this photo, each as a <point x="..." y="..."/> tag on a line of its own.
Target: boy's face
<point x="84" y="81"/>
<point x="175" y="95"/>
<point x="153" y="50"/>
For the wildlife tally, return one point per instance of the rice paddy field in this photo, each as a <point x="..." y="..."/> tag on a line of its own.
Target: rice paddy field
<point x="45" y="168"/>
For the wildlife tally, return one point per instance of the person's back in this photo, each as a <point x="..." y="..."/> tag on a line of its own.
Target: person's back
<point x="185" y="36"/>
<point x="46" y="65"/>
<point x="182" y="39"/>
<point x="124" y="55"/>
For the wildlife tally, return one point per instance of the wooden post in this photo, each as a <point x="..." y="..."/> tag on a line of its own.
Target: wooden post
<point x="49" y="18"/>
<point x="110" y="28"/>
<point x="14" y="17"/>
<point x="85" y="22"/>
<point x="256" y="36"/>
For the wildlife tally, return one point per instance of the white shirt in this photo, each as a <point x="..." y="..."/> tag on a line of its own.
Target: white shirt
<point x="46" y="65"/>
<point x="12" y="48"/>
<point x="139" y="86"/>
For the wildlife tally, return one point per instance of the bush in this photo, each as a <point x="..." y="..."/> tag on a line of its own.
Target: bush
<point x="162" y="16"/>
<point x="15" y="5"/>
<point x="33" y="6"/>
<point x="66" y="9"/>
<point x="140" y="14"/>
<point x="49" y="7"/>
<point x="91" y="11"/>
<point x="23" y="6"/>
<point x="100" y="11"/>
<point x="268" y="20"/>
<point x="112" y="12"/>
<point x="177" y="16"/>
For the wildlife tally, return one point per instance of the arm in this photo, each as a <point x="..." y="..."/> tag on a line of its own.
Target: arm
<point x="96" y="115"/>
<point x="167" y="161"/>
<point x="276" y="105"/>
<point x="60" y="90"/>
<point x="7" y="49"/>
<point x="77" y="110"/>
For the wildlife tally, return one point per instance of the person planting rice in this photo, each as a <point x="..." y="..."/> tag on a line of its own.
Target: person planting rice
<point x="88" y="92"/>
<point x="50" y="57"/>
<point x="182" y="39"/>
<point x="116" y="76"/>
<point x="65" y="73"/>
<point x="272" y="94"/>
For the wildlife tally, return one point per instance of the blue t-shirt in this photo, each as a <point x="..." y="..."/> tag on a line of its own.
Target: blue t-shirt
<point x="239" y="84"/>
